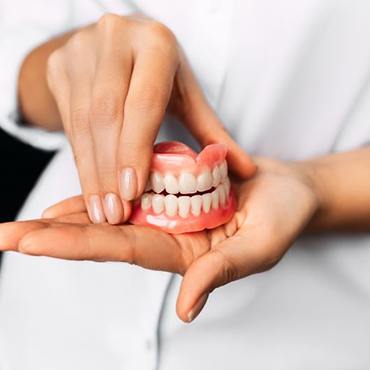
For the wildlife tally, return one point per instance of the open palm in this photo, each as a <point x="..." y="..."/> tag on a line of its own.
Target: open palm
<point x="273" y="208"/>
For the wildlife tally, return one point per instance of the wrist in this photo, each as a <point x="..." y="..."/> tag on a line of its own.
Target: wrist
<point x="313" y="175"/>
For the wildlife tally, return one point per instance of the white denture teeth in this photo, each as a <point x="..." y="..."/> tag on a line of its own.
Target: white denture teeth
<point x="184" y="206"/>
<point x="209" y="190"/>
<point x="170" y="204"/>
<point x="223" y="170"/>
<point x="206" y="202"/>
<point x="187" y="183"/>
<point x="148" y="186"/>
<point x="222" y="195"/>
<point x="158" y="203"/>
<point x="196" y="205"/>
<point x="156" y="181"/>
<point x="171" y="184"/>
<point x="146" y="201"/>
<point x="215" y="199"/>
<point x="227" y="186"/>
<point x="205" y="181"/>
<point x="216" y="175"/>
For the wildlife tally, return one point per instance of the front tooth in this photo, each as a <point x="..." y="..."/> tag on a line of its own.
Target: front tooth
<point x="148" y="186"/>
<point x="227" y="186"/>
<point x="170" y="184"/>
<point x="184" y="206"/>
<point x="204" y="181"/>
<point x="206" y="202"/>
<point x="196" y="205"/>
<point x="170" y="204"/>
<point x="156" y="180"/>
<point x="222" y="195"/>
<point x="223" y="170"/>
<point x="158" y="203"/>
<point x="146" y="202"/>
<point x="216" y="176"/>
<point x="187" y="183"/>
<point x="215" y="199"/>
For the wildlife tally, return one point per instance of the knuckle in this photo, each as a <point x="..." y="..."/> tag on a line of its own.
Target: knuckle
<point x="128" y="251"/>
<point x="109" y="22"/>
<point x="161" y="37"/>
<point x="105" y="109"/>
<point x="76" y="42"/>
<point x="55" y="60"/>
<point x="54" y="66"/>
<point x="160" y="31"/>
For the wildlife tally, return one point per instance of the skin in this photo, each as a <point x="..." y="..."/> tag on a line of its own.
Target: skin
<point x="284" y="200"/>
<point x="108" y="86"/>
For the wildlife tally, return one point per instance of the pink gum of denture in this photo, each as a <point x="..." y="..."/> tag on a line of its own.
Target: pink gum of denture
<point x="176" y="158"/>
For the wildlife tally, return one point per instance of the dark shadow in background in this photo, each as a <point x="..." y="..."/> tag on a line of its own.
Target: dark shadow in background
<point x="20" y="167"/>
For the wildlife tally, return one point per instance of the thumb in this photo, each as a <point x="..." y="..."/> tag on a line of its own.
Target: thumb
<point x="203" y="276"/>
<point x="199" y="117"/>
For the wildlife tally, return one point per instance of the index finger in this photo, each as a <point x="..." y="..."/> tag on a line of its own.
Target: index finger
<point x="138" y="245"/>
<point x="145" y="106"/>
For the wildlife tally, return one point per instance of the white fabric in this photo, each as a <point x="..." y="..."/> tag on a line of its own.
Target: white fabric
<point x="290" y="80"/>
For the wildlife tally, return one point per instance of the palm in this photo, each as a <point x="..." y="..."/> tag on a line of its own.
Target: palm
<point x="273" y="208"/>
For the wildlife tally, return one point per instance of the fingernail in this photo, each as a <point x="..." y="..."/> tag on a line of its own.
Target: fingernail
<point x="96" y="210"/>
<point x="194" y="312"/>
<point x="113" y="208"/>
<point x="128" y="183"/>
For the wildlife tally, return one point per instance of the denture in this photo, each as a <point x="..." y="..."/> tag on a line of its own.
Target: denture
<point x="186" y="191"/>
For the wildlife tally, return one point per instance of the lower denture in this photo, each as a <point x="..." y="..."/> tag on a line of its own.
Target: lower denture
<point x="186" y="192"/>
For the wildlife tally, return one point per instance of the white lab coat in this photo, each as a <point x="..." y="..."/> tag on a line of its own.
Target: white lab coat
<point x="290" y="80"/>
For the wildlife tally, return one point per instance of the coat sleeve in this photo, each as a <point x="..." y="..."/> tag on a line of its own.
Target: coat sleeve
<point x="23" y="25"/>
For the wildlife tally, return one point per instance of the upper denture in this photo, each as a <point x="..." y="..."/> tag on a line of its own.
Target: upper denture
<point x="178" y="169"/>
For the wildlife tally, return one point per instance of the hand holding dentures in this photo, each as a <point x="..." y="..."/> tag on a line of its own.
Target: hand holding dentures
<point x="272" y="209"/>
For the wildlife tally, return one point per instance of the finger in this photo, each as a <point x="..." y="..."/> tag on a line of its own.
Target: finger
<point x="230" y="260"/>
<point x="57" y="79"/>
<point x="83" y="147"/>
<point x="204" y="124"/>
<point x="146" y="103"/>
<point x="142" y="246"/>
<point x="111" y="82"/>
<point x="80" y="218"/>
<point x="12" y="232"/>
<point x="74" y="204"/>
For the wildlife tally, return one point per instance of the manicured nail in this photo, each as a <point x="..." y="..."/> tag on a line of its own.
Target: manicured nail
<point x="113" y="208"/>
<point x="128" y="184"/>
<point x="96" y="210"/>
<point x="194" y="312"/>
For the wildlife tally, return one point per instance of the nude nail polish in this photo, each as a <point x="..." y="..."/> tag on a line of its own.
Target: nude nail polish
<point x="113" y="208"/>
<point x="128" y="184"/>
<point x="96" y="210"/>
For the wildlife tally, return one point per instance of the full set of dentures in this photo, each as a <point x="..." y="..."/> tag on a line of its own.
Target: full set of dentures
<point x="186" y="191"/>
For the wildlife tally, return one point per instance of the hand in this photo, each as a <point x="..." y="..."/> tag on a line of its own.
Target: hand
<point x="112" y="82"/>
<point x="273" y="209"/>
